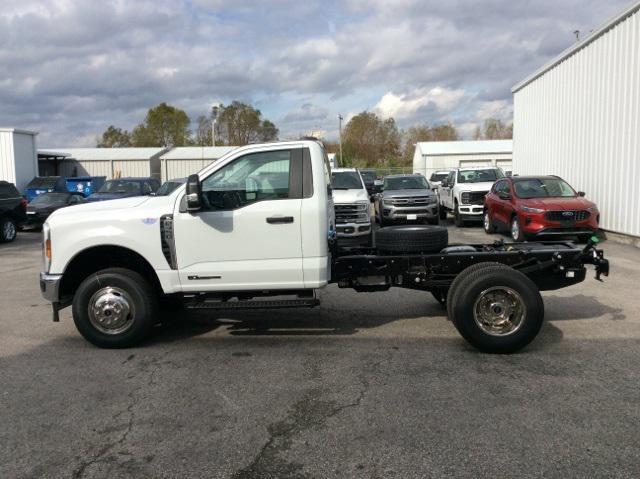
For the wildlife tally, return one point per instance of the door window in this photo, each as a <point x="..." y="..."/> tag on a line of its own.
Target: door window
<point x="249" y="179"/>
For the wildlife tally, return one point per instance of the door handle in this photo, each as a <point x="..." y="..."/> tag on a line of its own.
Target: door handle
<point x="273" y="220"/>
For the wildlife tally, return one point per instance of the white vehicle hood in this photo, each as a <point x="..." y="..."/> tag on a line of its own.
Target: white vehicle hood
<point x="484" y="186"/>
<point x="350" y="196"/>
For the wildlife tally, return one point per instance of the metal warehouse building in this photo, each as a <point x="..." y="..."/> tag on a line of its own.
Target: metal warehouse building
<point x="18" y="160"/>
<point x="430" y="156"/>
<point x="161" y="163"/>
<point x="579" y="117"/>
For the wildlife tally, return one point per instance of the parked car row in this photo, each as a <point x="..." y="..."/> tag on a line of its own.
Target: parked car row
<point x="525" y="207"/>
<point x="44" y="195"/>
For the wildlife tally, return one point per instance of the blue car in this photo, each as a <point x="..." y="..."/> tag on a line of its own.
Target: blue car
<point x="124" y="188"/>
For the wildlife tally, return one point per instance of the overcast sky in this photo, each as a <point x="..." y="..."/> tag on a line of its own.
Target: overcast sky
<point x="70" y="68"/>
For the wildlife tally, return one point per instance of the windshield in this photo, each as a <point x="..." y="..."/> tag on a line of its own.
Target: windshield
<point x="50" y="199"/>
<point x="543" y="188"/>
<point x="121" y="186"/>
<point x="168" y="187"/>
<point x="406" y="183"/>
<point x="438" y="176"/>
<point x="479" y="176"/>
<point x="346" y="180"/>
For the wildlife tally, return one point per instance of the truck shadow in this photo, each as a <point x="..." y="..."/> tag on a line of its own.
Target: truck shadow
<point x="579" y="306"/>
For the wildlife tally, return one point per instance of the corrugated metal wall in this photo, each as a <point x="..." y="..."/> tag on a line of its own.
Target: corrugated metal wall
<point x="581" y="120"/>
<point x="182" y="168"/>
<point x="7" y="169"/>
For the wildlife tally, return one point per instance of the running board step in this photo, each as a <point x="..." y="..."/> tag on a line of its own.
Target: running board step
<point x="273" y="304"/>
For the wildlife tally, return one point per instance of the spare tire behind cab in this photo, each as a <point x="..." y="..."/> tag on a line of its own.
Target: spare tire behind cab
<point x="412" y="239"/>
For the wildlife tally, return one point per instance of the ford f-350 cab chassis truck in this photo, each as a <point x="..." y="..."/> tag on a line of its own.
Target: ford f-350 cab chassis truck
<point x="256" y="229"/>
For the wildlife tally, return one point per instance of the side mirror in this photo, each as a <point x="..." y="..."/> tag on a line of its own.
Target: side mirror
<point x="581" y="193"/>
<point x="434" y="188"/>
<point x="194" y="192"/>
<point x="504" y="196"/>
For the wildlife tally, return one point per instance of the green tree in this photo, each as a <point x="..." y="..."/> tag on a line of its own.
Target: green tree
<point x="164" y="125"/>
<point x="415" y="134"/>
<point x="370" y="141"/>
<point x="240" y="124"/>
<point x="114" y="138"/>
<point x="494" y="129"/>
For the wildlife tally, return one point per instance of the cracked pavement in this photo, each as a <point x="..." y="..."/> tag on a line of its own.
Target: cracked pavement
<point x="366" y="386"/>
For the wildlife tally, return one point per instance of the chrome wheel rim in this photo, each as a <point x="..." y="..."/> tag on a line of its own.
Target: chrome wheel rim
<point x="515" y="229"/>
<point x="9" y="230"/>
<point x="499" y="311"/>
<point x="111" y="310"/>
<point x="486" y="222"/>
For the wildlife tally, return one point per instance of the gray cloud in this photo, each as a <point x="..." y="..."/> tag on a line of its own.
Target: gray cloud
<point x="71" y="68"/>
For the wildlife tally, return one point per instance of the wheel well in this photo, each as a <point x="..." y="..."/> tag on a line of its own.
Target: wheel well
<point x="98" y="258"/>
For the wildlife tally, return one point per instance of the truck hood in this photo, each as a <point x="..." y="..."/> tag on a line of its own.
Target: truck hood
<point x="484" y="186"/>
<point x="108" y="196"/>
<point x="350" y="196"/>
<point x="119" y="204"/>
<point x="406" y="193"/>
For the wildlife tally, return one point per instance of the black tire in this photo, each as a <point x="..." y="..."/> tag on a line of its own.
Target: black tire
<point x="141" y="296"/>
<point x="442" y="213"/>
<point x="412" y="239"/>
<point x="8" y="230"/>
<point x="487" y="224"/>
<point x="464" y="274"/>
<point x="520" y="236"/>
<point x="433" y="221"/>
<point x="457" y="219"/>
<point x="479" y="284"/>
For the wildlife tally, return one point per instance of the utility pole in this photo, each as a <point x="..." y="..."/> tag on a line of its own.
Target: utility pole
<point x="340" y="130"/>
<point x="214" y="117"/>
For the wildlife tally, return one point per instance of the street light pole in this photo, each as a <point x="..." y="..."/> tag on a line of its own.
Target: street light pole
<point x="340" y="130"/>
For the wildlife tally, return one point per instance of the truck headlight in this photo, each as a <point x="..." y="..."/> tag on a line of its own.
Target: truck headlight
<point x="465" y="197"/>
<point x="363" y="212"/>
<point x="46" y="247"/>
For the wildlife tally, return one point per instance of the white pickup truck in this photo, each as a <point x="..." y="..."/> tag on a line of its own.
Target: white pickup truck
<point x="256" y="229"/>
<point x="462" y="192"/>
<point x="351" y="206"/>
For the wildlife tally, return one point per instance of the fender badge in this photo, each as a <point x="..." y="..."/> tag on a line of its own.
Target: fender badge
<point x="149" y="221"/>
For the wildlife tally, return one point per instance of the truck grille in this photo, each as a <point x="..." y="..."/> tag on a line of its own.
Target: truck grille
<point x="473" y="197"/>
<point x="567" y="215"/>
<point x="411" y="201"/>
<point x="351" y="213"/>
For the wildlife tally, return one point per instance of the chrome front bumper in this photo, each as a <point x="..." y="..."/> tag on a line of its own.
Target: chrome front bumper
<point x="400" y="212"/>
<point x="50" y="286"/>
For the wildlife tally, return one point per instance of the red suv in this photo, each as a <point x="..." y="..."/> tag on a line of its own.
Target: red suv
<point x="528" y="206"/>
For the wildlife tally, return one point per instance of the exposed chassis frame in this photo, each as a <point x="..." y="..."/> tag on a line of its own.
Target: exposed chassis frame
<point x="550" y="265"/>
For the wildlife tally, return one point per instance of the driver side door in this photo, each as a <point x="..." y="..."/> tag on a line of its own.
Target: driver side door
<point x="247" y="235"/>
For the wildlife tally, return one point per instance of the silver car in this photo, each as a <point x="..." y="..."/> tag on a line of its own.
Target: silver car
<point x="406" y="199"/>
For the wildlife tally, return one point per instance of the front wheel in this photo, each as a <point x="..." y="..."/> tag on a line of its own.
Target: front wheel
<point x="516" y="230"/>
<point x="115" y="308"/>
<point x="456" y="216"/>
<point x="498" y="310"/>
<point x="489" y="228"/>
<point x="442" y="213"/>
<point x="7" y="230"/>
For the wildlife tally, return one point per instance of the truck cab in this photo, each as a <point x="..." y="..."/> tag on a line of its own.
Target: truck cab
<point x="351" y="204"/>
<point x="462" y="192"/>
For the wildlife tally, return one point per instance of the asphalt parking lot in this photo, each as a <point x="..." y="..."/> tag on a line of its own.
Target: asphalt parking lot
<point x="367" y="385"/>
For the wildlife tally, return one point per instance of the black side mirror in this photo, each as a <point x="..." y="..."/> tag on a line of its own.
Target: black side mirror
<point x="581" y="193"/>
<point x="504" y="196"/>
<point x="194" y="192"/>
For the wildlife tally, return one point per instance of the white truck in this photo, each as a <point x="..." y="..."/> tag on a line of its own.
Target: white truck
<point x="351" y="206"/>
<point x="462" y="192"/>
<point x="256" y="229"/>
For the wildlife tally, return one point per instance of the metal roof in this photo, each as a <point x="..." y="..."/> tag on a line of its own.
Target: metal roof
<point x="433" y="148"/>
<point x="196" y="152"/>
<point x="53" y="153"/>
<point x="117" y="154"/>
<point x="17" y="130"/>
<point x="593" y="36"/>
